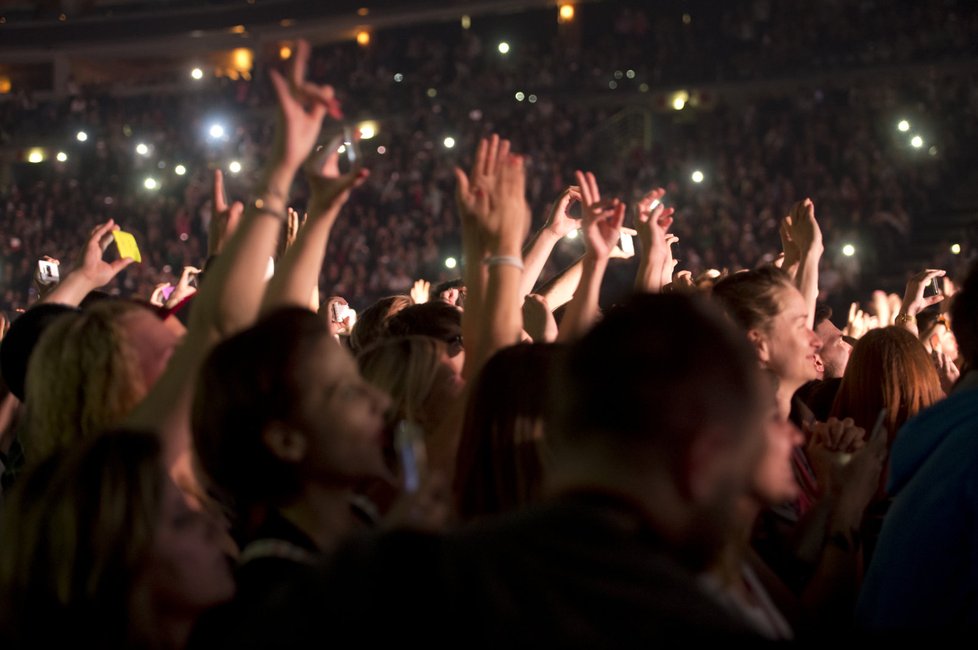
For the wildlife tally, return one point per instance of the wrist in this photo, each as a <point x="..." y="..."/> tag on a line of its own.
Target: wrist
<point x="547" y="233"/>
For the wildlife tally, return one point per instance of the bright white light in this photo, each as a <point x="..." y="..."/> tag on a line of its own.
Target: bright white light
<point x="197" y="73"/>
<point x="503" y="47"/>
<point x="630" y="74"/>
<point x="180" y="170"/>
<point x="678" y="103"/>
<point x="956" y="249"/>
<point x="35" y="156"/>
<point x="381" y="150"/>
<point x="532" y="99"/>
<point x="848" y="250"/>
<point x="697" y="176"/>
<point x="142" y="149"/>
<point x="572" y="234"/>
<point x="62" y="156"/>
<point x="398" y="78"/>
<point x="450" y="262"/>
<point x="234" y="167"/>
<point x="903" y="125"/>
<point x="216" y="131"/>
<point x="520" y="96"/>
<point x="342" y="149"/>
<point x="916" y="142"/>
<point x="81" y="136"/>
<point x="449" y="142"/>
<point x="150" y="183"/>
<point x="367" y="130"/>
<point x="432" y="93"/>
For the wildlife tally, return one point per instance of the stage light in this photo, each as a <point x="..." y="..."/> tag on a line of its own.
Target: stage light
<point x="35" y="155"/>
<point x="520" y="96"/>
<point x="630" y="74"/>
<point x="197" y="74"/>
<point x="848" y="250"/>
<point x="215" y="131"/>
<point x="450" y="262"/>
<point x="532" y="99"/>
<point x="180" y="170"/>
<point x="363" y="38"/>
<point x="903" y="125"/>
<point x="678" y="103"/>
<point x="284" y="52"/>
<point x="566" y="13"/>
<point x="432" y="93"/>
<point x="916" y="142"/>
<point x="503" y="48"/>
<point x="150" y="183"/>
<point x="62" y="156"/>
<point x="697" y="176"/>
<point x="81" y="136"/>
<point x="142" y="149"/>
<point x="398" y="78"/>
<point x="234" y="167"/>
<point x="955" y="249"/>
<point x="449" y="142"/>
<point x="381" y="150"/>
<point x="466" y="22"/>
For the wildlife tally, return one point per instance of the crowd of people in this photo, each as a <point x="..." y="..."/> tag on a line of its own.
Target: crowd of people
<point x="300" y="433"/>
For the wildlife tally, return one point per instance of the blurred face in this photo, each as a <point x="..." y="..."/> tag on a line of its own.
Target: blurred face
<point x="774" y="481"/>
<point x="835" y="351"/>
<point x="787" y="346"/>
<point x="447" y="386"/>
<point x="187" y="571"/>
<point x="152" y="341"/>
<point x="343" y="418"/>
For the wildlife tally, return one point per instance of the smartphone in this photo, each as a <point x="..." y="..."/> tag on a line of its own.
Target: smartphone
<point x="626" y="244"/>
<point x="933" y="288"/>
<point x="48" y="273"/>
<point x="340" y="311"/>
<point x="412" y="455"/>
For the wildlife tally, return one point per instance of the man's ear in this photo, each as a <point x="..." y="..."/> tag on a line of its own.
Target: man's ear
<point x="285" y="442"/>
<point x="759" y="340"/>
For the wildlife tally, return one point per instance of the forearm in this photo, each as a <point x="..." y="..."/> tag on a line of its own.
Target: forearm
<point x="582" y="312"/>
<point x="535" y="257"/>
<point x="806" y="280"/>
<point x="296" y="278"/>
<point x="559" y="291"/>
<point x="502" y="319"/>
<point x="70" y="291"/>
<point x="648" y="279"/>
<point x="231" y="295"/>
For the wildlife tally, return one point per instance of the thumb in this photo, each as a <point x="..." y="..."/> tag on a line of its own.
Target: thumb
<point x="463" y="181"/>
<point x="234" y="216"/>
<point x="118" y="265"/>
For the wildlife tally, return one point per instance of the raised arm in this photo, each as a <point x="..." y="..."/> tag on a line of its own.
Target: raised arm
<point x="914" y="300"/>
<point x="92" y="271"/>
<point x="807" y="237"/>
<point x="559" y="223"/>
<point x="652" y="221"/>
<point x="297" y="275"/>
<point x="230" y="295"/>
<point x="602" y="221"/>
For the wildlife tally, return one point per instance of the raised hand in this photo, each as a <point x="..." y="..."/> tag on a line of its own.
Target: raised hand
<point x="421" y="291"/>
<point x="791" y="256"/>
<point x="601" y="220"/>
<point x="559" y="221"/>
<point x="183" y="289"/>
<point x="538" y="319"/>
<point x="946" y="370"/>
<point x="802" y="229"/>
<point x="838" y="435"/>
<point x="302" y="107"/>
<point x="93" y="268"/>
<point x="224" y="218"/>
<point x="473" y="190"/>
<point x="652" y="221"/>
<point x="914" y="300"/>
<point x="329" y="189"/>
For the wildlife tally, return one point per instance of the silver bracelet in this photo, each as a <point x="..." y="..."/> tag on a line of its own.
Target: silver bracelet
<point x="504" y="260"/>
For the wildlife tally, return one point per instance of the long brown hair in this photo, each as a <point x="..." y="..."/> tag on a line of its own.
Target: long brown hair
<point x="888" y="367"/>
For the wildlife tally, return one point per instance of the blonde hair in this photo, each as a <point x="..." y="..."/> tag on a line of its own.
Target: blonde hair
<point x="405" y="367"/>
<point x="83" y="377"/>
